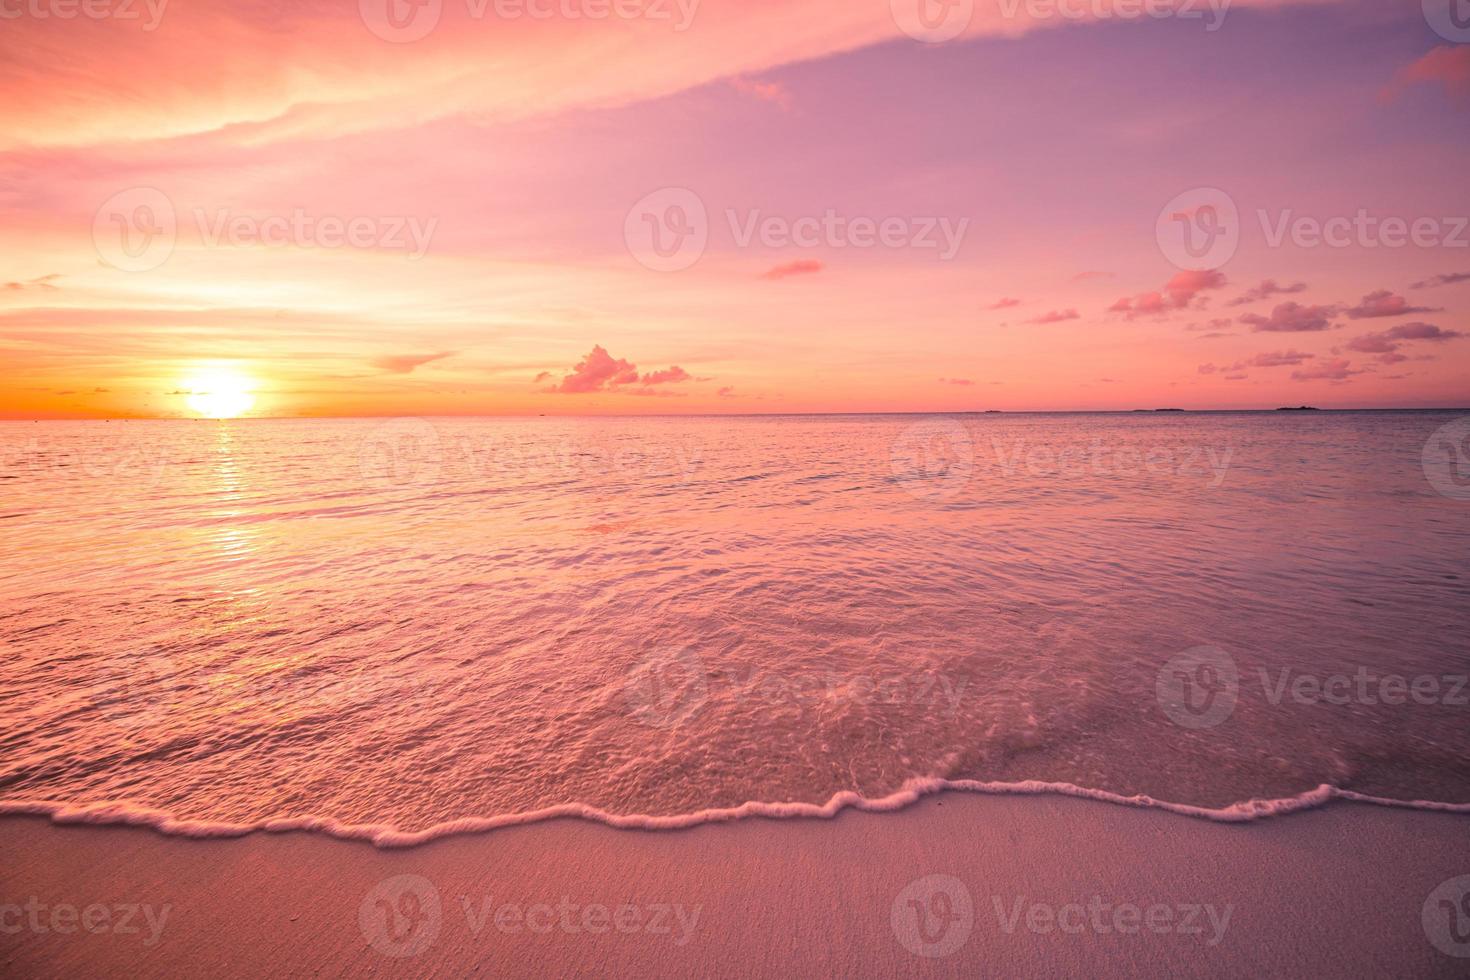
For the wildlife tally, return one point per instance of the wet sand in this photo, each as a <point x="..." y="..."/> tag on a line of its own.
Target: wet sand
<point x="1008" y="886"/>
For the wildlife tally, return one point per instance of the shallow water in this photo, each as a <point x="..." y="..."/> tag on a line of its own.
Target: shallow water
<point x="411" y="622"/>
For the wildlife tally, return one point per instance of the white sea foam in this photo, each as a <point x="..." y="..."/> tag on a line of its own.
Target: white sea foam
<point x="122" y="813"/>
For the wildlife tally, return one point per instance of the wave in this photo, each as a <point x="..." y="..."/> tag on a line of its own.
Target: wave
<point x="387" y="836"/>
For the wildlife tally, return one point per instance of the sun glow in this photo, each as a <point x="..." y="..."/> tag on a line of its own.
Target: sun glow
<point x="219" y="393"/>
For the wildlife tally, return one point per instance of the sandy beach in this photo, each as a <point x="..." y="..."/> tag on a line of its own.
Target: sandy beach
<point x="1008" y="886"/>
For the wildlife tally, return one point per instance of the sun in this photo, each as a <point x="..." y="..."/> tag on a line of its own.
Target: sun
<point x="219" y="393"/>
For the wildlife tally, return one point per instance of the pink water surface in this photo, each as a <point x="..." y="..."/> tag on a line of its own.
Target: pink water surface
<point x="412" y="622"/>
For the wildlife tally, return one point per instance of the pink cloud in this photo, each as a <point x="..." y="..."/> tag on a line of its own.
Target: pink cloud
<point x="1448" y="66"/>
<point x="1384" y="303"/>
<point x="667" y="376"/>
<point x="1386" y="343"/>
<point x="600" y="371"/>
<point x="1004" y="303"/>
<point x="765" y="91"/>
<point x="1055" y="316"/>
<point x="1280" y="358"/>
<point x="405" y="363"/>
<point x="1178" y="293"/>
<point x="959" y="382"/>
<point x="1444" y="279"/>
<point x="1337" y="369"/>
<point x="1422" y="331"/>
<point x="801" y="267"/>
<point x="1269" y="359"/>
<point x="596" y="372"/>
<point x="40" y="282"/>
<point x="1292" y="318"/>
<point x="1267" y="289"/>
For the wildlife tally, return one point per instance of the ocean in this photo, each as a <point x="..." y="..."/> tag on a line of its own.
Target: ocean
<point x="393" y="628"/>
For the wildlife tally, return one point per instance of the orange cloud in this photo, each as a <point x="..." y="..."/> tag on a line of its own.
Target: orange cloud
<point x="801" y="267"/>
<point x="405" y="363"/>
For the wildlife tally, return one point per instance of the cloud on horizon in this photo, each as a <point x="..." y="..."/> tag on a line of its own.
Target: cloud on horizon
<point x="599" y="371"/>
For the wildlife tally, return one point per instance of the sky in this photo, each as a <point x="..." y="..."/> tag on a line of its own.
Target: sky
<point x="468" y="207"/>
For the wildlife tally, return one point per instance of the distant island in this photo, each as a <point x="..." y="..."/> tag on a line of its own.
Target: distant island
<point x="1303" y="408"/>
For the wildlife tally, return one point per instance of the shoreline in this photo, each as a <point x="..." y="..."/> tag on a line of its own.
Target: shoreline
<point x="387" y="836"/>
<point x="1009" y="884"/>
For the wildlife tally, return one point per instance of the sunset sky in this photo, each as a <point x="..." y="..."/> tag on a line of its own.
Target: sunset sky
<point x="177" y="189"/>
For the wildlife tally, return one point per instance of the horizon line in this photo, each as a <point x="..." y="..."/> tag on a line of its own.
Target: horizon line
<point x="685" y="415"/>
